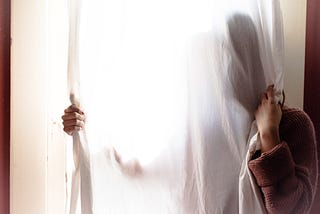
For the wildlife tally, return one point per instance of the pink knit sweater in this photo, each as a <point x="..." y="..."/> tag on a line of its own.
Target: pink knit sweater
<point x="287" y="175"/>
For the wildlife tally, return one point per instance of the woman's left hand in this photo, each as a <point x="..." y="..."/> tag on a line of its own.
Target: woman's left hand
<point x="268" y="117"/>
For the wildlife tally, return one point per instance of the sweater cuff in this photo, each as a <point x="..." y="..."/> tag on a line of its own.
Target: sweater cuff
<point x="273" y="165"/>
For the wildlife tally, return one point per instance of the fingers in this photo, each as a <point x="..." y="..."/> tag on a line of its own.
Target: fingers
<point x="117" y="156"/>
<point x="73" y="108"/>
<point x="270" y="94"/>
<point x="73" y="119"/>
<point x="263" y="98"/>
<point x="73" y="116"/>
<point x="74" y="122"/>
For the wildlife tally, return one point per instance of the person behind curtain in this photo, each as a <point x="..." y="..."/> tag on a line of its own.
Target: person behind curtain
<point x="286" y="166"/>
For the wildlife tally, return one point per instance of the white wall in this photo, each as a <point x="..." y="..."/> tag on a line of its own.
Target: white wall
<point x="57" y="102"/>
<point x="294" y="17"/>
<point x="39" y="50"/>
<point x="28" y="107"/>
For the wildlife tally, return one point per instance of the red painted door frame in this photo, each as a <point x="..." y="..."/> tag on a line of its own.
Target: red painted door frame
<point x="5" y="12"/>
<point x="312" y="64"/>
<point x="312" y="76"/>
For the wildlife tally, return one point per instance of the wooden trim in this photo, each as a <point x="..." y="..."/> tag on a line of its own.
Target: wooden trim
<point x="4" y="105"/>
<point x="312" y="64"/>
<point x="312" y="76"/>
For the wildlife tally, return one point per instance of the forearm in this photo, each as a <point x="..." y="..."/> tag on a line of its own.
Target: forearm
<point x="286" y="187"/>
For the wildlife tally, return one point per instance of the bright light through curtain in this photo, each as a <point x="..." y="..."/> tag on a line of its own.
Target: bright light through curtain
<point x="169" y="88"/>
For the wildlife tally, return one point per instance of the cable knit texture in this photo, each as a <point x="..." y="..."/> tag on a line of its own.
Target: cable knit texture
<point x="287" y="175"/>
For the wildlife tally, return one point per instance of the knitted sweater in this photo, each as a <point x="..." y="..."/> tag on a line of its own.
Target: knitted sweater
<point x="287" y="174"/>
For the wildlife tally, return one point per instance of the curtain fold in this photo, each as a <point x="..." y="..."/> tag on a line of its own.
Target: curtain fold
<point x="81" y="176"/>
<point x="169" y="89"/>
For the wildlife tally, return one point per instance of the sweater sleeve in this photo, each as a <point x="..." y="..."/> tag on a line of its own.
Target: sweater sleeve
<point x="286" y="174"/>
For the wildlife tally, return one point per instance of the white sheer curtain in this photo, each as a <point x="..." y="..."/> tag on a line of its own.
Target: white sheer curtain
<point x="169" y="88"/>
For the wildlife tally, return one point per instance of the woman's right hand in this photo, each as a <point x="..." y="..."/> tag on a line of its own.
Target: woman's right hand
<point x="73" y="119"/>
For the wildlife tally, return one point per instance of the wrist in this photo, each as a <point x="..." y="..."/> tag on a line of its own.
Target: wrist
<point x="269" y="139"/>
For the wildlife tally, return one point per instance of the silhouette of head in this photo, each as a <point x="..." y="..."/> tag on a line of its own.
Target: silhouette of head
<point x="246" y="72"/>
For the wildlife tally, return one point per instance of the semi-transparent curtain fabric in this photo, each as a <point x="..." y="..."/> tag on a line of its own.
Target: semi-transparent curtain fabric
<point x="169" y="89"/>
<point x="81" y="185"/>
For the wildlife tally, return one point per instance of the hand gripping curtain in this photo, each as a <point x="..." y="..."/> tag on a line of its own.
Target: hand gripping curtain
<point x="169" y="89"/>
